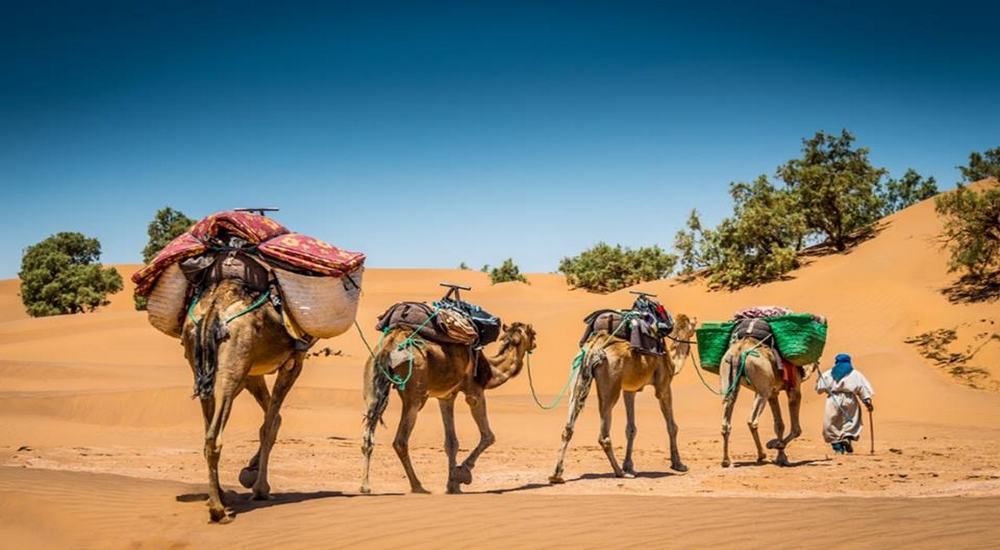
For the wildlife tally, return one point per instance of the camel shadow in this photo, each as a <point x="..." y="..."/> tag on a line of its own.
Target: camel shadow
<point x="791" y="464"/>
<point x="241" y="503"/>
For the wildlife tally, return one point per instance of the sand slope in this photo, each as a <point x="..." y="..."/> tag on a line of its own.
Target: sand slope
<point x="101" y="443"/>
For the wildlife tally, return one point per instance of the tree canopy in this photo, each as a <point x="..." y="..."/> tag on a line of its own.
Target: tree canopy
<point x="166" y="226"/>
<point x="835" y="186"/>
<point x="972" y="219"/>
<point x="62" y="275"/>
<point x="906" y="191"/>
<point x="982" y="166"/>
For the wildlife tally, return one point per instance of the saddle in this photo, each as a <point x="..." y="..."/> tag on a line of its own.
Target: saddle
<point x="441" y="325"/>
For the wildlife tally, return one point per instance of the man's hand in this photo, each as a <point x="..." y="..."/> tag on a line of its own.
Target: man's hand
<point x="868" y="405"/>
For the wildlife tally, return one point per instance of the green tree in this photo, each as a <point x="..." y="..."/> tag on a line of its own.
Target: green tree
<point x="604" y="268"/>
<point x="762" y="239"/>
<point x="695" y="246"/>
<point x="507" y="271"/>
<point x="972" y="230"/>
<point x="982" y="166"/>
<point x="167" y="225"/>
<point x="835" y="186"/>
<point x="464" y="267"/>
<point x="62" y="275"/>
<point x="906" y="191"/>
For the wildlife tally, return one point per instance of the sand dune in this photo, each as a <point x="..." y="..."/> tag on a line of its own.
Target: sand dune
<point x="101" y="441"/>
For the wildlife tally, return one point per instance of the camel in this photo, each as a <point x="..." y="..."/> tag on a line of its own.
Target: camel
<point x="619" y="370"/>
<point x="430" y="369"/>
<point x="232" y="337"/>
<point x="759" y="369"/>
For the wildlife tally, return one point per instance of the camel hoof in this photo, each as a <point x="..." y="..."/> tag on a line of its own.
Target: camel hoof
<point x="556" y="480"/>
<point x="726" y="463"/>
<point x="366" y="490"/>
<point x="774" y="444"/>
<point x="461" y="474"/>
<point x="221" y="516"/>
<point x="628" y="475"/>
<point x="678" y="467"/>
<point x="248" y="477"/>
<point x="419" y="491"/>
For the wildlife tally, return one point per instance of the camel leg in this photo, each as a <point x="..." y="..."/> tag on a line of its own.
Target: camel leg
<point x="412" y="403"/>
<point x="257" y="387"/>
<point x="476" y="399"/>
<point x="577" y="399"/>
<point x="779" y="431"/>
<point x="376" y="388"/>
<point x="665" y="397"/>
<point x="754" y="422"/>
<point x="216" y="411"/>
<point x="606" y="401"/>
<point x="780" y="442"/>
<point x="287" y="375"/>
<point x="630" y="430"/>
<point x="447" y="406"/>
<point x="728" y="402"/>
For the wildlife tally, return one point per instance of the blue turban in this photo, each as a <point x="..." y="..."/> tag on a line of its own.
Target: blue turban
<point x="841" y="366"/>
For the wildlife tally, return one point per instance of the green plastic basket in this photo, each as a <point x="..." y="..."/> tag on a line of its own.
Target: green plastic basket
<point x="799" y="336"/>
<point x="713" y="341"/>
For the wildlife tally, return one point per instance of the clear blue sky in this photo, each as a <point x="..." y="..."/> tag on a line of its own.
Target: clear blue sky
<point x="426" y="134"/>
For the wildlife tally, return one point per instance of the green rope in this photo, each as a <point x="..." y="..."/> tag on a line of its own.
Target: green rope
<point x="411" y="341"/>
<point x="575" y="366"/>
<point x="194" y="302"/>
<point x="261" y="300"/>
<point x="741" y="372"/>
<point x="255" y="305"/>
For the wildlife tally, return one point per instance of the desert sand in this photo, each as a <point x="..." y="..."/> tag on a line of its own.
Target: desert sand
<point x="101" y="444"/>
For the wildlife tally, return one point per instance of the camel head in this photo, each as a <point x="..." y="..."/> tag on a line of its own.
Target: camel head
<point x="520" y="336"/>
<point x="684" y="326"/>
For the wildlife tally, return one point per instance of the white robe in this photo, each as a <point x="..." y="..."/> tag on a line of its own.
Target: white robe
<point x="842" y="419"/>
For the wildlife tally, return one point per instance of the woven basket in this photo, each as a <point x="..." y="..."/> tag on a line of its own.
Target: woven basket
<point x="713" y="341"/>
<point x="165" y="305"/>
<point x="323" y="307"/>
<point x="799" y="336"/>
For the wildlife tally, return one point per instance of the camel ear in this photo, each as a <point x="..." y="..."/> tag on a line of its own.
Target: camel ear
<point x="504" y="327"/>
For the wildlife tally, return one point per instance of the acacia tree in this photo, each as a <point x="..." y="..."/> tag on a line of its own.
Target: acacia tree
<point x="62" y="275"/>
<point x="972" y="220"/>
<point x="166" y="226"/>
<point x="982" y="166"/>
<point x="906" y="191"/>
<point x="835" y="186"/>
<point x="760" y="242"/>
<point x="604" y="268"/>
<point x="696" y="246"/>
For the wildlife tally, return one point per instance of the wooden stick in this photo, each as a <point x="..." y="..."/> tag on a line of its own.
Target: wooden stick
<point x="871" y="429"/>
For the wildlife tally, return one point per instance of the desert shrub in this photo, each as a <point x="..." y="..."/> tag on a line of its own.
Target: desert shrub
<point x="507" y="272"/>
<point x="604" y="268"/>
<point x="62" y="275"/>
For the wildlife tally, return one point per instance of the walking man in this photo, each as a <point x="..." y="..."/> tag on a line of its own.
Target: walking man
<point x="847" y="390"/>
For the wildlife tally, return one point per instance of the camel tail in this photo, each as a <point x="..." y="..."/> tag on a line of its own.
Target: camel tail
<point x="211" y="330"/>
<point x="585" y="376"/>
<point x="377" y="388"/>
